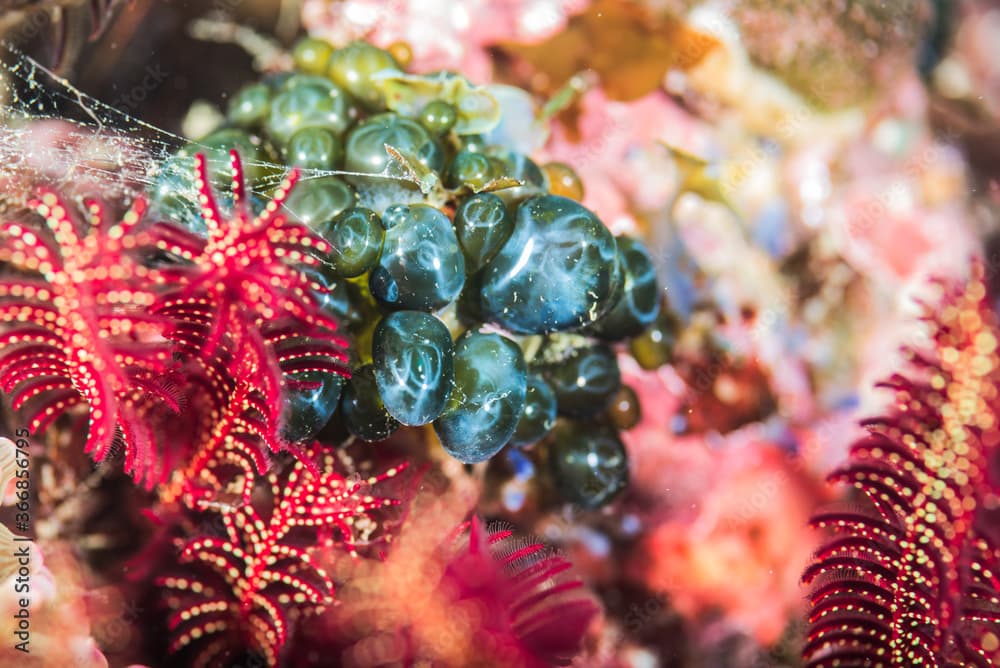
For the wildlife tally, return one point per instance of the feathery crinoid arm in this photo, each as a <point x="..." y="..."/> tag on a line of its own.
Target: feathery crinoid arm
<point x="243" y="590"/>
<point x="244" y="286"/>
<point x="76" y="327"/>
<point x="911" y="577"/>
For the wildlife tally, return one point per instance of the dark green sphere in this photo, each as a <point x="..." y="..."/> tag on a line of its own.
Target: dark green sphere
<point x="482" y="225"/>
<point x="413" y="356"/>
<point x="470" y="170"/>
<point x="438" y="116"/>
<point x="353" y="68"/>
<point x="421" y="266"/>
<point x="486" y="399"/>
<point x="474" y="143"/>
<point x="313" y="148"/>
<point x="625" y="411"/>
<point x="308" y="409"/>
<point x="362" y="409"/>
<point x="585" y="381"/>
<point x="334" y="295"/>
<point x="250" y="106"/>
<point x="365" y="150"/>
<point x="517" y="166"/>
<point x="316" y="201"/>
<point x="356" y="236"/>
<point x="654" y="347"/>
<point x="588" y="464"/>
<point x="306" y="101"/>
<point x="556" y="272"/>
<point x="539" y="414"/>
<point x="312" y="55"/>
<point x="639" y="302"/>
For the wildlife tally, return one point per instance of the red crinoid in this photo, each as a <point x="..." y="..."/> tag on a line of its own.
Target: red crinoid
<point x="911" y="579"/>
<point x="78" y="328"/>
<point x="233" y="434"/>
<point x="447" y="595"/>
<point x="235" y="316"/>
<point x="241" y="592"/>
<point x="542" y="609"/>
<point x="243" y="287"/>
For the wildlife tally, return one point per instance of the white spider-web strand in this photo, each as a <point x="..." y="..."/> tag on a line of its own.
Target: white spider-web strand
<point x="121" y="155"/>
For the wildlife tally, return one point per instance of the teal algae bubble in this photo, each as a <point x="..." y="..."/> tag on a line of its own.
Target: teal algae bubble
<point x="588" y="464"/>
<point x="362" y="408"/>
<point x="307" y="101"/>
<point x="421" y="266"/>
<point x="482" y="225"/>
<point x="539" y="415"/>
<point x="316" y="201"/>
<point x="639" y="303"/>
<point x="365" y="150"/>
<point x="487" y="399"/>
<point x="585" y="382"/>
<point x="309" y="408"/>
<point x="356" y="236"/>
<point x="413" y="358"/>
<point x="556" y="272"/>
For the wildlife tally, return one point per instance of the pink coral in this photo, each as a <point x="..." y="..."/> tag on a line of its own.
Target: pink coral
<point x="60" y="626"/>
<point x="739" y="547"/>
<point x="724" y="519"/>
<point x="443" y="34"/>
<point x="900" y="219"/>
<point x="614" y="149"/>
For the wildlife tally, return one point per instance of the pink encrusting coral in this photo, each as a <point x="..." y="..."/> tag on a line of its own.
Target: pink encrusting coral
<point x="442" y="34"/>
<point x="61" y="626"/>
<point x="734" y="543"/>
<point x="614" y="145"/>
<point x="899" y="219"/>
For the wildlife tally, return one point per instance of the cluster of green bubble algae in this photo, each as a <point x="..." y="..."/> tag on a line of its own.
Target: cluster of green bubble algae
<point x="481" y="297"/>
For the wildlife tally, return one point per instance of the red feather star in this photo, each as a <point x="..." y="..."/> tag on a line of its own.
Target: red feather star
<point x="911" y="579"/>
